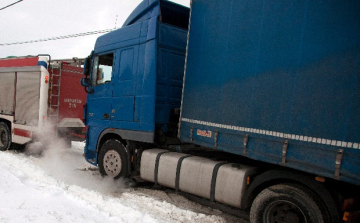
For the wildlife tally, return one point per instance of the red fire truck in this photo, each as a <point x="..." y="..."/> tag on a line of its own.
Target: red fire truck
<point x="35" y="90"/>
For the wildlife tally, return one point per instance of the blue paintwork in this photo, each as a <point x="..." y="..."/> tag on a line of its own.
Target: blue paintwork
<point x="142" y="12"/>
<point x="285" y="66"/>
<point x="42" y="63"/>
<point x="146" y="78"/>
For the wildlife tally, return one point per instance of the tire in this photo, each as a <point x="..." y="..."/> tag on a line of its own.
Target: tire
<point x="285" y="204"/>
<point x="113" y="159"/>
<point x="5" y="137"/>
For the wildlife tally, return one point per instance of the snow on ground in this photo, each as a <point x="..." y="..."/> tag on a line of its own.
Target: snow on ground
<point x="59" y="186"/>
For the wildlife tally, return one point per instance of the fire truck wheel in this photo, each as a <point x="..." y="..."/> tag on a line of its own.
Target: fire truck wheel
<point x="285" y="203"/>
<point x="5" y="136"/>
<point x="113" y="159"/>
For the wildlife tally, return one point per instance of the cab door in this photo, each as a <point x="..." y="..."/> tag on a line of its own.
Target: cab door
<point x="99" y="102"/>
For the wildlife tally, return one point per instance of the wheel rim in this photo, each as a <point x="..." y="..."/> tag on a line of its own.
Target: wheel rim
<point x="3" y="138"/>
<point x="284" y="211"/>
<point x="112" y="163"/>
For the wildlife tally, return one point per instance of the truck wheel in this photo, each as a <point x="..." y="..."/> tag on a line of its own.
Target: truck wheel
<point x="113" y="159"/>
<point x="5" y="136"/>
<point x="285" y="203"/>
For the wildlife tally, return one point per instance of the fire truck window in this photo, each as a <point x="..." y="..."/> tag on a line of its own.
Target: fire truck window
<point x="102" y="69"/>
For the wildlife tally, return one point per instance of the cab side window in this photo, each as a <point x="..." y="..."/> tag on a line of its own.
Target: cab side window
<point x="102" y="69"/>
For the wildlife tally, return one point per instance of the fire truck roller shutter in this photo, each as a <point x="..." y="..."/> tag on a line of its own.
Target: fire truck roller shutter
<point x="7" y="91"/>
<point x="27" y="98"/>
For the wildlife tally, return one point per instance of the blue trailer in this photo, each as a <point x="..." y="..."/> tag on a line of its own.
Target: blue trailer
<point x="252" y="105"/>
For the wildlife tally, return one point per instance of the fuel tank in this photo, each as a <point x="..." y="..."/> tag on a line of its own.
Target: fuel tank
<point x="215" y="180"/>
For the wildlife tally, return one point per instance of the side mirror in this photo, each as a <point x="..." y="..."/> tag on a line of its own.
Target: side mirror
<point x="85" y="82"/>
<point x="87" y="63"/>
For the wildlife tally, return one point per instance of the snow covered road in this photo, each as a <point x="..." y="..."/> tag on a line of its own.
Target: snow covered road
<point x="59" y="186"/>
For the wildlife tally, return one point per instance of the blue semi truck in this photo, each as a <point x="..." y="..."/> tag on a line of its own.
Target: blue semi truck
<point x="243" y="105"/>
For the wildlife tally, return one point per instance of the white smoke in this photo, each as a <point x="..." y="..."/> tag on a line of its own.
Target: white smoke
<point x="67" y="164"/>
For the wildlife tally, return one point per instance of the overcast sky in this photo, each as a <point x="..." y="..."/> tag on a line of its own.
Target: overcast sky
<point x="41" y="19"/>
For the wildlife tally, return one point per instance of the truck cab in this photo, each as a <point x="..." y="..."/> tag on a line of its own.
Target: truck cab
<point x="134" y="77"/>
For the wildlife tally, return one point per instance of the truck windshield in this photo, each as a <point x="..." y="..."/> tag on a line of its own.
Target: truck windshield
<point x="102" y="69"/>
